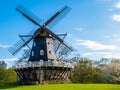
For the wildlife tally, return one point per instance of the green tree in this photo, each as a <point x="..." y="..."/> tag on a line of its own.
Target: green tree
<point x="2" y="75"/>
<point x="11" y="76"/>
<point x="85" y="72"/>
<point x="7" y="76"/>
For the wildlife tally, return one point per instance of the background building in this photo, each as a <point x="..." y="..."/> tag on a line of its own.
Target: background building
<point x="3" y="64"/>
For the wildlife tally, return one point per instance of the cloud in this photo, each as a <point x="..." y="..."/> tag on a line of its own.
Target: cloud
<point x="117" y="40"/>
<point x="4" y="46"/>
<point x="9" y="59"/>
<point x="117" y="5"/>
<point x="96" y="53"/>
<point x="69" y="35"/>
<point x="78" y="29"/>
<point x="111" y="36"/>
<point x="95" y="45"/>
<point x="116" y="17"/>
<point x="102" y="54"/>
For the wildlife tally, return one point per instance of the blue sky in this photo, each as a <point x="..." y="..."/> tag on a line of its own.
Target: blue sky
<point x="93" y="26"/>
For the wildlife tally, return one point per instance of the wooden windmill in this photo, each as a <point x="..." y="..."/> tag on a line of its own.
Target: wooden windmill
<point x="43" y="65"/>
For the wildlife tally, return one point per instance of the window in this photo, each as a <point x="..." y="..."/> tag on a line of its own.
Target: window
<point x="32" y="53"/>
<point x="49" y="52"/>
<point x="41" y="52"/>
<point x="34" y="44"/>
<point x="48" y="43"/>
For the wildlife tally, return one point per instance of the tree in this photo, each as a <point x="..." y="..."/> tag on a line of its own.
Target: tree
<point x="7" y="76"/>
<point x="11" y="76"/>
<point x="111" y="72"/>
<point x="85" y="72"/>
<point x="2" y="75"/>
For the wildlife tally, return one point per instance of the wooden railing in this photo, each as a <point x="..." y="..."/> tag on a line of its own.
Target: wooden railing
<point x="42" y="64"/>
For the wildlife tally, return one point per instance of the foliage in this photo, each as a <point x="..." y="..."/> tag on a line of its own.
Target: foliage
<point x="85" y="72"/>
<point x="111" y="72"/>
<point x="102" y="71"/>
<point x="11" y="76"/>
<point x="7" y="76"/>
<point x="64" y="87"/>
<point x="2" y="75"/>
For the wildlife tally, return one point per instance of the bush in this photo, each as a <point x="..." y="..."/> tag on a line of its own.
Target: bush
<point x="7" y="76"/>
<point x="84" y="72"/>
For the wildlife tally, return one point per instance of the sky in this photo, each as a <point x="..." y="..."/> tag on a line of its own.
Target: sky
<point x="93" y="26"/>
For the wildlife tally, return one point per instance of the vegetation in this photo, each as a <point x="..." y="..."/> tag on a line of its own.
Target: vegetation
<point x="103" y="71"/>
<point x="7" y="76"/>
<point x="85" y="71"/>
<point x="64" y="87"/>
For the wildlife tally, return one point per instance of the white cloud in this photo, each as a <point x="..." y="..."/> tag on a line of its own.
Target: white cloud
<point x="117" y="5"/>
<point x="96" y="53"/>
<point x="4" y="46"/>
<point x="9" y="59"/>
<point x="117" y="40"/>
<point x="111" y="36"/>
<point x="113" y="55"/>
<point x="95" y="45"/>
<point x="78" y="29"/>
<point x="101" y="55"/>
<point x="69" y="35"/>
<point x="116" y="17"/>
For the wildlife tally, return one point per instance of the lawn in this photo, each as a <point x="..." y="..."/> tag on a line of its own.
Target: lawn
<point x="64" y="87"/>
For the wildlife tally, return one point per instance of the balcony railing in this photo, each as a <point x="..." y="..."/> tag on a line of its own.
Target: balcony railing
<point x="42" y="64"/>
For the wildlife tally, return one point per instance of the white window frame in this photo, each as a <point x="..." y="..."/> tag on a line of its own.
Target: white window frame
<point x="41" y="52"/>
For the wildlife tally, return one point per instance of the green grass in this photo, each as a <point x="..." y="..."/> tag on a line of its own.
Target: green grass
<point x="64" y="87"/>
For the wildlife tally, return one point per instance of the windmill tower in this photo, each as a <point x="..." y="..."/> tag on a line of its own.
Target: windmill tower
<point x="43" y="65"/>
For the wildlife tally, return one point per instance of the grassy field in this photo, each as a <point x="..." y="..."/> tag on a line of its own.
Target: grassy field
<point x="64" y="87"/>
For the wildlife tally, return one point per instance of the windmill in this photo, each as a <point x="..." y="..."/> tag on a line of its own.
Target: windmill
<point x="43" y="64"/>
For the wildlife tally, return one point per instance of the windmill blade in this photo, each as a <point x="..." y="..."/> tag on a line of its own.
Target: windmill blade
<point x="29" y="15"/>
<point x="68" y="47"/>
<point x="17" y="46"/>
<point x="64" y="35"/>
<point x="20" y="44"/>
<point x="22" y="37"/>
<point x="57" y="17"/>
<point x="58" y="38"/>
<point x="63" y="50"/>
<point x="58" y="45"/>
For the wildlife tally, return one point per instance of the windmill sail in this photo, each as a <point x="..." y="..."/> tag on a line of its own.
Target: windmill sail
<point x="29" y="15"/>
<point x="17" y="46"/>
<point x="64" y="48"/>
<point x="57" y="43"/>
<point x="51" y="22"/>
